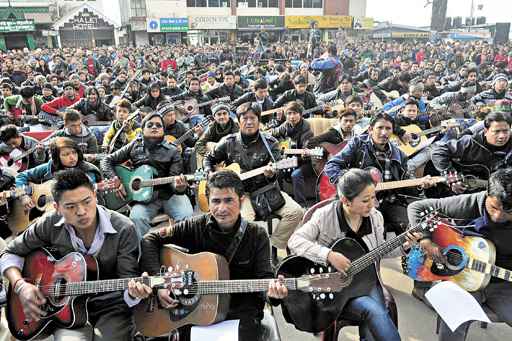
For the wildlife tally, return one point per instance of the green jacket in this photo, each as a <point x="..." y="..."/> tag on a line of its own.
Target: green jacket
<point x="15" y="101"/>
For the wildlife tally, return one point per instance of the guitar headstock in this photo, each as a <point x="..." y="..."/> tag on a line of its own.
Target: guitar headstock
<point x="320" y="283"/>
<point x="288" y="163"/>
<point x="199" y="175"/>
<point x="223" y="99"/>
<point x="429" y="220"/>
<point x="317" y="152"/>
<point x="453" y="177"/>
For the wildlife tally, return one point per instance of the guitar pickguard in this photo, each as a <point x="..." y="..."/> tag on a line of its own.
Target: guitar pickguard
<point x="188" y="298"/>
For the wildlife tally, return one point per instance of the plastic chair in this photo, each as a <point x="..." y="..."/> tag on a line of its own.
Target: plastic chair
<point x="331" y="333"/>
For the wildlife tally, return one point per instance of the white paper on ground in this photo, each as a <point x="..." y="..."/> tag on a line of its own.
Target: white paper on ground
<point x="455" y="305"/>
<point x="222" y="331"/>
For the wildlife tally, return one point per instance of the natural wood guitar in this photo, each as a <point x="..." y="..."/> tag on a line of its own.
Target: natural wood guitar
<point x="202" y="199"/>
<point x="203" y="293"/>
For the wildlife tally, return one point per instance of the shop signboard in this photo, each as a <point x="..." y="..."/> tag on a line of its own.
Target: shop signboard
<point x="363" y="23"/>
<point x="213" y="22"/>
<point x="17" y="26"/>
<point x="259" y="22"/>
<point x="324" y="21"/>
<point x="167" y="25"/>
<point x="87" y="20"/>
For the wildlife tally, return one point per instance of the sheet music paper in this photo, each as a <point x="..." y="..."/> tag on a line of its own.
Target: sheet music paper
<point x="222" y="331"/>
<point x="455" y="305"/>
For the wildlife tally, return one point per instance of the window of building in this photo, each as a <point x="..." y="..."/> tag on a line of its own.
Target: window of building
<point x="213" y="3"/>
<point x="317" y="3"/>
<point x="297" y="4"/>
<point x="273" y="3"/>
<point x="138" y="8"/>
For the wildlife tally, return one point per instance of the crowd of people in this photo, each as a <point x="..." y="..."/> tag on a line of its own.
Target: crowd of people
<point x="81" y="120"/>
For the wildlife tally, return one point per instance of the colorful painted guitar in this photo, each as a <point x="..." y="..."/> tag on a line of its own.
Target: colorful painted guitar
<point x="469" y="260"/>
<point x="66" y="284"/>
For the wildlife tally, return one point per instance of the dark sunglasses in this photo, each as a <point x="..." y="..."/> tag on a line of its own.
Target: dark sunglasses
<point x="154" y="125"/>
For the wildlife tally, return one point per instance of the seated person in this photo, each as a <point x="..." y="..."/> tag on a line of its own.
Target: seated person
<point x="215" y="232"/>
<point x="222" y="125"/>
<point x="249" y="150"/>
<point x="353" y="216"/>
<point x="297" y="132"/>
<point x="78" y="132"/>
<point x="11" y="139"/>
<point x="78" y="224"/>
<point x="55" y="108"/>
<point x="151" y="149"/>
<point x="123" y="109"/>
<point x="92" y="108"/>
<point x="26" y="103"/>
<point x="489" y="214"/>
<point x="65" y="154"/>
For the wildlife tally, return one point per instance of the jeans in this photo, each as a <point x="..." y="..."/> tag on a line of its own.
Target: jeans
<point x="371" y="310"/>
<point x="177" y="206"/>
<point x="299" y="183"/>
<point x="496" y="296"/>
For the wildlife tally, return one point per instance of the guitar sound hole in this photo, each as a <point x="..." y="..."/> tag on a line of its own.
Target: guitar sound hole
<point x="41" y="202"/>
<point x="454" y="258"/>
<point x="136" y="184"/>
<point x="415" y="140"/>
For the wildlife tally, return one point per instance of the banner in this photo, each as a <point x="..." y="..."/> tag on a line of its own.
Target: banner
<point x="167" y="25"/>
<point x="325" y="21"/>
<point x="215" y="22"/>
<point x="17" y="25"/>
<point x="420" y="35"/>
<point x="260" y="22"/>
<point x="363" y="23"/>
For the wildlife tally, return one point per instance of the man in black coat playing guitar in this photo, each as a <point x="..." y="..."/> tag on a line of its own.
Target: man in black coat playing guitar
<point x="151" y="149"/>
<point x="216" y="232"/>
<point x="79" y="224"/>
<point x="490" y="215"/>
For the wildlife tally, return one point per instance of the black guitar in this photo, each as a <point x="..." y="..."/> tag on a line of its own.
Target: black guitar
<point x="314" y="312"/>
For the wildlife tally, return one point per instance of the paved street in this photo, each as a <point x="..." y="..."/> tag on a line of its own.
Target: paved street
<point x="416" y="321"/>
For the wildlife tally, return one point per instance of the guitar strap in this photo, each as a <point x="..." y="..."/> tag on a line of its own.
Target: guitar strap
<point x="267" y="146"/>
<point x="237" y="239"/>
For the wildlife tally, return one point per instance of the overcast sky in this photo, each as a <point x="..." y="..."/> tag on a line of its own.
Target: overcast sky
<point x="413" y="12"/>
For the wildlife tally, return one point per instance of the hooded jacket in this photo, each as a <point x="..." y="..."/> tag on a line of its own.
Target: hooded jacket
<point x="86" y="140"/>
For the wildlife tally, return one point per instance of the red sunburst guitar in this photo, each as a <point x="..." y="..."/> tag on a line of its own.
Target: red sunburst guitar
<point x="66" y="284"/>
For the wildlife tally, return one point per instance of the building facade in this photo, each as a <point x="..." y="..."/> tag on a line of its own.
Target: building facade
<point x="25" y="23"/>
<point x="197" y="22"/>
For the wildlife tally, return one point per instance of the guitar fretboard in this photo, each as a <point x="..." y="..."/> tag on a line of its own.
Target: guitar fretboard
<point x="240" y="286"/>
<point x="384" y="186"/>
<point x="493" y="270"/>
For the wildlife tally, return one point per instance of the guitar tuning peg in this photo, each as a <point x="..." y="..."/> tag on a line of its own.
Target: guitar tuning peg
<point x="322" y="296"/>
<point x="331" y="296"/>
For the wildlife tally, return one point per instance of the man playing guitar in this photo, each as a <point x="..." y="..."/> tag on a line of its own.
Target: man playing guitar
<point x="215" y="232"/>
<point x="151" y="149"/>
<point x="79" y="224"/>
<point x="490" y="215"/>
<point x="12" y="140"/>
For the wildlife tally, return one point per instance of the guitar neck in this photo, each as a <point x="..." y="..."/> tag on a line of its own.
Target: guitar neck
<point x="183" y="137"/>
<point x="431" y="130"/>
<point x="252" y="173"/>
<point x="240" y="286"/>
<point x="384" y="186"/>
<point x="164" y="181"/>
<point x="374" y="255"/>
<point x="101" y="286"/>
<point x="493" y="270"/>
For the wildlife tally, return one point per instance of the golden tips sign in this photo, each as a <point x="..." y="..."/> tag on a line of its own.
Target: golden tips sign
<point x="325" y="21"/>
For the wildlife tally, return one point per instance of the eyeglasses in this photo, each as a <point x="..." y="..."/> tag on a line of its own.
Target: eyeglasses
<point x="154" y="125"/>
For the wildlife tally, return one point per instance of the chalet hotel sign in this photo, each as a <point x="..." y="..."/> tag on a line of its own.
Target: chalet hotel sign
<point x="86" y="20"/>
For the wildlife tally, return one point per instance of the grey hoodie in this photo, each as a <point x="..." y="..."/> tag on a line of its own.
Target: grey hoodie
<point x="86" y="140"/>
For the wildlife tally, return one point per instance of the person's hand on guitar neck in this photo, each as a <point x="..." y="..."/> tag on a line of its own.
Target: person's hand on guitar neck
<point x="276" y="289"/>
<point x="269" y="171"/>
<point x="139" y="290"/>
<point x="27" y="202"/>
<point x="458" y="187"/>
<point x="198" y="130"/>
<point x="180" y="183"/>
<point x="31" y="300"/>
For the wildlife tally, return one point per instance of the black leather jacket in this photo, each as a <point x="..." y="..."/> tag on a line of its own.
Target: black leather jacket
<point x="472" y="153"/>
<point x="308" y="99"/>
<point x="101" y="111"/>
<point x="248" y="154"/>
<point x="164" y="157"/>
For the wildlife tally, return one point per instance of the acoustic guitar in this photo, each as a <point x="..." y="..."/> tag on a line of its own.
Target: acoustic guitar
<point x="178" y="141"/>
<point x="335" y="105"/>
<point x="202" y="199"/>
<point x="204" y="288"/>
<point x="469" y="260"/>
<point x="41" y="195"/>
<point x="313" y="312"/>
<point x="138" y="184"/>
<point x="191" y="107"/>
<point x="66" y="283"/>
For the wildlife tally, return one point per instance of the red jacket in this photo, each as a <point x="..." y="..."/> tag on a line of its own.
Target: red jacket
<point x="59" y="103"/>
